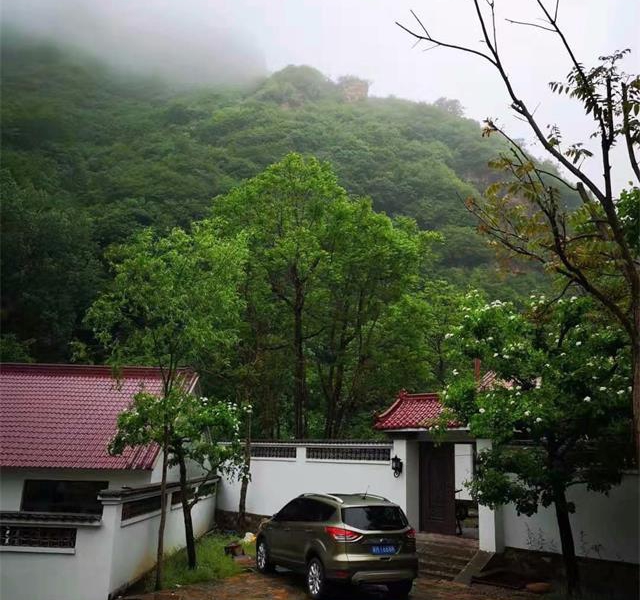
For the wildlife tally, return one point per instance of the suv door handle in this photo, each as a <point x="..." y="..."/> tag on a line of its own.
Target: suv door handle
<point x="308" y="530"/>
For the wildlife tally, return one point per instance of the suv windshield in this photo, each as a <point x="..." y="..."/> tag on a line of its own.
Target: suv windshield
<point x="374" y="518"/>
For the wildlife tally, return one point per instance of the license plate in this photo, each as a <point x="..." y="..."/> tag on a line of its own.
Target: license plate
<point x="383" y="549"/>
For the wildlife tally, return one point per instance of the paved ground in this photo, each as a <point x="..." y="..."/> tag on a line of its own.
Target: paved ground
<point x="288" y="586"/>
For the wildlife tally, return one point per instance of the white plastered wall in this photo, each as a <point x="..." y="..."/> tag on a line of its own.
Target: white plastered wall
<point x="106" y="556"/>
<point x="604" y="527"/>
<point x="12" y="480"/>
<point x="463" y="469"/>
<point x="135" y="541"/>
<point x="275" y="481"/>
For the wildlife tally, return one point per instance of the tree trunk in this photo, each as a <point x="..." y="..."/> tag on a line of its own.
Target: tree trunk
<point x="635" y="357"/>
<point x="163" y="510"/>
<point x="186" y="514"/>
<point x="300" y="377"/>
<point x="334" y="402"/>
<point x="566" y="541"/>
<point x="242" y="506"/>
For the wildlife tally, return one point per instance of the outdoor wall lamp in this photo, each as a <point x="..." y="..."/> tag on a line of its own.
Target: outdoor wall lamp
<point x="396" y="465"/>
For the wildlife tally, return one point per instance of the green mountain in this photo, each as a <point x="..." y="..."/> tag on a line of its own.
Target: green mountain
<point x="90" y="155"/>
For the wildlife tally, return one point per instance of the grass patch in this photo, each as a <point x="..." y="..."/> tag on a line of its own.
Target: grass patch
<point x="212" y="564"/>
<point x="249" y="548"/>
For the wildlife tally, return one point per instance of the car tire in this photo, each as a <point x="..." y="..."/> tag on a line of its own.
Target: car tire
<point x="399" y="590"/>
<point x="316" y="581"/>
<point x="263" y="562"/>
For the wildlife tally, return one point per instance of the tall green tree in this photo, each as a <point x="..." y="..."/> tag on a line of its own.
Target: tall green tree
<point x="373" y="263"/>
<point x="173" y="303"/>
<point x="327" y="289"/>
<point x="192" y="427"/>
<point x="283" y="213"/>
<point x="558" y="412"/>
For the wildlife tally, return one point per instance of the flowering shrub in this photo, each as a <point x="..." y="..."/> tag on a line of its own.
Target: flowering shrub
<point x="195" y="424"/>
<point x="558" y="407"/>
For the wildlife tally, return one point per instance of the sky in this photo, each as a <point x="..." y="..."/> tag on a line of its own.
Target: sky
<point x="198" y="40"/>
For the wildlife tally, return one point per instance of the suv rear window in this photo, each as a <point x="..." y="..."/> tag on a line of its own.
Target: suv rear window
<point x="374" y="518"/>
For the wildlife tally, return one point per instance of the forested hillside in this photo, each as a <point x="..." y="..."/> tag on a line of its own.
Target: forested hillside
<point x="89" y="156"/>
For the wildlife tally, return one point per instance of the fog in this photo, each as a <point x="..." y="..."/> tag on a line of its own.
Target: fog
<point x="206" y="41"/>
<point x="192" y="43"/>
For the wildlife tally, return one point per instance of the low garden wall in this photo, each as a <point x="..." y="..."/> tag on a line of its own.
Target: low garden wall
<point x="92" y="558"/>
<point x="605" y="527"/>
<point x="281" y="471"/>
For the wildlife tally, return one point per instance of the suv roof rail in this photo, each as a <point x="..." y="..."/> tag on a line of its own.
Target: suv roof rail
<point x="368" y="495"/>
<point x="336" y="498"/>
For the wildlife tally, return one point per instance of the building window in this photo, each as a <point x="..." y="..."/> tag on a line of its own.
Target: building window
<point x="58" y="496"/>
<point x="135" y="508"/>
<point x="40" y="537"/>
<point x="347" y="453"/>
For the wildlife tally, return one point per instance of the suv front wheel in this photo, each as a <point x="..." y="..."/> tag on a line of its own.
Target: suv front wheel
<point x="316" y="582"/>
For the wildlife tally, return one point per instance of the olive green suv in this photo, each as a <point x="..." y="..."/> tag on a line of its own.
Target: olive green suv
<point x="348" y="538"/>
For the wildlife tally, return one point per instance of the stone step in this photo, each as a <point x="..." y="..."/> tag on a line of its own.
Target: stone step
<point x="434" y="571"/>
<point x="450" y="540"/>
<point x="435" y="574"/>
<point x="453" y="562"/>
<point x="474" y="567"/>
<point x="445" y="551"/>
<point x="442" y="562"/>
<point x="444" y="557"/>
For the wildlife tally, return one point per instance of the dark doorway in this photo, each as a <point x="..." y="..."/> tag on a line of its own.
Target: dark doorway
<point x="437" y="489"/>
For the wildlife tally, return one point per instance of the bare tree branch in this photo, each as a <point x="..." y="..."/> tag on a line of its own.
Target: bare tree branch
<point x="444" y="44"/>
<point x="514" y="22"/>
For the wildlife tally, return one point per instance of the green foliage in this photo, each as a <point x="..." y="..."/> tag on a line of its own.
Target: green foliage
<point x="195" y="425"/>
<point x="173" y="300"/>
<point x="13" y="350"/>
<point x="628" y="208"/>
<point x="48" y="268"/>
<point x="213" y="564"/>
<point x="559" y="411"/>
<point x="106" y="156"/>
<point x="293" y="86"/>
<point x="332" y="292"/>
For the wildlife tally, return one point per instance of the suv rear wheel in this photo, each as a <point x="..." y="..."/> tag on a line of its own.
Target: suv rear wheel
<point x="263" y="563"/>
<point x="316" y="582"/>
<point x="399" y="590"/>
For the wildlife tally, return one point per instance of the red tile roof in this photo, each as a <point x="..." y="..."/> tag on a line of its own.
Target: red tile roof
<point x="65" y="415"/>
<point x="410" y="411"/>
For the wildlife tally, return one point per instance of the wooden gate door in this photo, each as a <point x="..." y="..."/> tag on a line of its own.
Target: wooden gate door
<point x="437" y="488"/>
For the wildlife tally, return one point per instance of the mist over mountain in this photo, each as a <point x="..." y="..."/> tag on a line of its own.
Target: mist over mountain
<point x="92" y="155"/>
<point x="156" y="38"/>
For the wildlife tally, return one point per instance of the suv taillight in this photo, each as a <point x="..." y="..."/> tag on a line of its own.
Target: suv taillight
<point x="411" y="534"/>
<point x="340" y="534"/>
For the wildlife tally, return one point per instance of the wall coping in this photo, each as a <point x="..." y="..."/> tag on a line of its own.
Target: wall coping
<point x="336" y="443"/>
<point x="127" y="493"/>
<point x="20" y="517"/>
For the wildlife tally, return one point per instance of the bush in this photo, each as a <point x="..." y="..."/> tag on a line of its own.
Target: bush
<point x="212" y="564"/>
